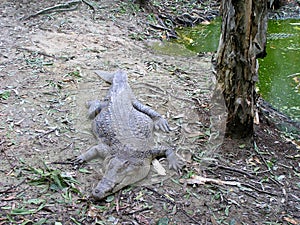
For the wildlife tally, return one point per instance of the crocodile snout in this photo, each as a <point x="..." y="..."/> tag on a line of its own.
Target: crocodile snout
<point x="120" y="173"/>
<point x="103" y="189"/>
<point x="98" y="194"/>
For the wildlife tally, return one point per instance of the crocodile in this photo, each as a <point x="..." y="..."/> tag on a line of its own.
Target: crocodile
<point x="124" y="128"/>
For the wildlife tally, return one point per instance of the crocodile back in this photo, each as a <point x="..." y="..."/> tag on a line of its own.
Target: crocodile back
<point x="120" y="124"/>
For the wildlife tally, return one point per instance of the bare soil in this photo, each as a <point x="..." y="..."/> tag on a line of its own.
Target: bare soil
<point x="47" y="75"/>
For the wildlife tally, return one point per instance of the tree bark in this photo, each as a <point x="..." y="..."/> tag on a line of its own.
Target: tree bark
<point x="242" y="41"/>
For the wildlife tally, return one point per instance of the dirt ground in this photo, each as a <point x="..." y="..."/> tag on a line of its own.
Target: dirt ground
<point x="47" y="75"/>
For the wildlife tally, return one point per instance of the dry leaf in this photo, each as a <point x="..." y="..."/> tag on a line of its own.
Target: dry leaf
<point x="192" y="135"/>
<point x="9" y="198"/>
<point x="178" y="116"/>
<point x="93" y="212"/>
<point x="292" y="221"/>
<point x="158" y="167"/>
<point x="205" y="22"/>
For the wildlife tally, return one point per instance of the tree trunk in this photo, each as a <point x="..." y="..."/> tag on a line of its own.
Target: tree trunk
<point x="242" y="41"/>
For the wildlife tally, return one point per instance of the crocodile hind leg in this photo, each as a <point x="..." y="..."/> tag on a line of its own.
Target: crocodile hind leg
<point x="95" y="107"/>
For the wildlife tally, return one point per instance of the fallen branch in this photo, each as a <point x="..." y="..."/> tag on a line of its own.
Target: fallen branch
<point x="62" y="163"/>
<point x="235" y="170"/>
<point x="203" y="180"/>
<point x="259" y="190"/>
<point x="68" y="6"/>
<point x="57" y="8"/>
<point x="90" y="5"/>
<point x="293" y="75"/>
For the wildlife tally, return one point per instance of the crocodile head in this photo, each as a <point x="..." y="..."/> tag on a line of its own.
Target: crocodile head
<point x="120" y="88"/>
<point x="120" y="173"/>
<point x="120" y="82"/>
<point x="118" y="79"/>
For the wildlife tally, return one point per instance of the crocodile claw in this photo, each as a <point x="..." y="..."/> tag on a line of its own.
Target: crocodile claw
<point x="162" y="124"/>
<point x="78" y="160"/>
<point x="174" y="162"/>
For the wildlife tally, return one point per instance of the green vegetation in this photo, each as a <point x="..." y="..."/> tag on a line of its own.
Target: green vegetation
<point x="279" y="73"/>
<point x="4" y="94"/>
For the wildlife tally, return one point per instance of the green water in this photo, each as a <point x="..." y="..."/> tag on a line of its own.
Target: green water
<point x="201" y="38"/>
<point x="279" y="72"/>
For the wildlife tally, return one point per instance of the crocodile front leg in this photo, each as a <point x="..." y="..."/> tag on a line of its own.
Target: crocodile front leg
<point x="159" y="122"/>
<point x="98" y="151"/>
<point x="95" y="107"/>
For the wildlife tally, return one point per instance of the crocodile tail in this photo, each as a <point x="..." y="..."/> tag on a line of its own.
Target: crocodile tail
<point x="106" y="76"/>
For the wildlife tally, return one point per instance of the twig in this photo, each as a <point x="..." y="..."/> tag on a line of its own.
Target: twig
<point x="46" y="133"/>
<point x="173" y="203"/>
<point x="195" y="179"/>
<point x="162" y="91"/>
<point x="62" y="163"/>
<point x="90" y="5"/>
<point x="62" y="8"/>
<point x="259" y="190"/>
<point x="138" y="211"/>
<point x="57" y="8"/>
<point x="202" y="180"/>
<point x="37" y="52"/>
<point x="266" y="164"/>
<point x="12" y="187"/>
<point x="2" y="150"/>
<point x="68" y="146"/>
<point x="159" y="27"/>
<point x="293" y="75"/>
<point x="118" y="202"/>
<point x="235" y="170"/>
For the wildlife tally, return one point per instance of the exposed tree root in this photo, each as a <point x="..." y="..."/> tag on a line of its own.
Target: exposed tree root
<point x="68" y="6"/>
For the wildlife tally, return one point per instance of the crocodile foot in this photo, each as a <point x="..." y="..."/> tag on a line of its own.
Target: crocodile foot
<point x="78" y="160"/>
<point x="161" y="123"/>
<point x="174" y="162"/>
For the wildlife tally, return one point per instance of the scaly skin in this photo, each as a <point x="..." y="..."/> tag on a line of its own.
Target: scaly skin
<point x="124" y="127"/>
